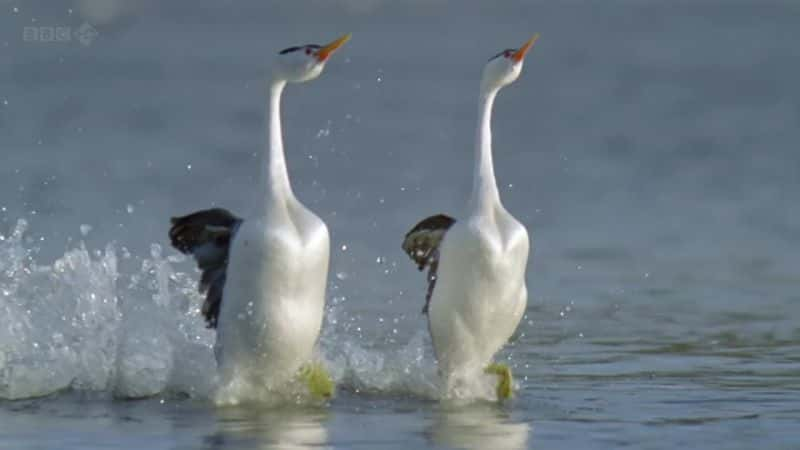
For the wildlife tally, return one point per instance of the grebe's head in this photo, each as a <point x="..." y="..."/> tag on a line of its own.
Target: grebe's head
<point x="505" y="67"/>
<point x="305" y="62"/>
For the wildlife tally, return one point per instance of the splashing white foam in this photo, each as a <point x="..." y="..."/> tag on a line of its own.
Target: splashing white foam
<point x="80" y="323"/>
<point x="131" y="327"/>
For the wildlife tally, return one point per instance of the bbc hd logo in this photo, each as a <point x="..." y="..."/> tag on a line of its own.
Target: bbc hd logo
<point x="84" y="34"/>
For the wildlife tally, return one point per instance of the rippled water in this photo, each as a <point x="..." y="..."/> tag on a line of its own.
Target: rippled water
<point x="650" y="148"/>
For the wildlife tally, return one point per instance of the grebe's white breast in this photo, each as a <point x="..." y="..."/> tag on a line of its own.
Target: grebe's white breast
<point x="480" y="293"/>
<point x="274" y="295"/>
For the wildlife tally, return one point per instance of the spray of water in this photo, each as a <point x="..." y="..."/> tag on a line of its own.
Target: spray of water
<point x="130" y="327"/>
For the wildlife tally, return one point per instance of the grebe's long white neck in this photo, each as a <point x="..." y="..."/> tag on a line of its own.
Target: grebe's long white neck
<point x="276" y="176"/>
<point x="484" y="187"/>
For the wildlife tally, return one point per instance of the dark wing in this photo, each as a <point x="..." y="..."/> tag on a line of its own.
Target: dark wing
<point x="422" y="246"/>
<point x="207" y="236"/>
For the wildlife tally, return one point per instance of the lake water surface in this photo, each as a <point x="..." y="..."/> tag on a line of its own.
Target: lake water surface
<point x="651" y="148"/>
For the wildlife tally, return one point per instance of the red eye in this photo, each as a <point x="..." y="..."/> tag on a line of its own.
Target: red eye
<point x="308" y="51"/>
<point x="507" y="54"/>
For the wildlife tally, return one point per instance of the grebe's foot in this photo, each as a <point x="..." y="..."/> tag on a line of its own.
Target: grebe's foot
<point x="319" y="381"/>
<point x="504" y="380"/>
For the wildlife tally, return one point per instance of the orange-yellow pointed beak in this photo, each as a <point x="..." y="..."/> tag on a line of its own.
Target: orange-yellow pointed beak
<point x="325" y="51"/>
<point x="520" y="54"/>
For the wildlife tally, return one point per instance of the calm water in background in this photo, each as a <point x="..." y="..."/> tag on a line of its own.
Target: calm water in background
<point x="650" y="148"/>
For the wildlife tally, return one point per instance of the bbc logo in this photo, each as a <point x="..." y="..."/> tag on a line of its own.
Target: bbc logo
<point x="84" y="34"/>
<point x="47" y="34"/>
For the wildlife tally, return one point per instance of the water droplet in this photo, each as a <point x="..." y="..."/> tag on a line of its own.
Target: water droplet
<point x="188" y="167"/>
<point x="341" y="275"/>
<point x="85" y="229"/>
<point x="129" y="208"/>
<point x="344" y="247"/>
<point x="155" y="251"/>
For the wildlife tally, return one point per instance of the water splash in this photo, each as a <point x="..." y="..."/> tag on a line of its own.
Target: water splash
<point x="80" y="323"/>
<point x="131" y="327"/>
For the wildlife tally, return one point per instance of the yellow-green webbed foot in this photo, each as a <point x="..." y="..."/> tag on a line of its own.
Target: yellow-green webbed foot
<point x="504" y="381"/>
<point x="319" y="381"/>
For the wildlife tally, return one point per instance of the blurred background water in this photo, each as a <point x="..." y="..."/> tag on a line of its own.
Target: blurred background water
<point x="651" y="148"/>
